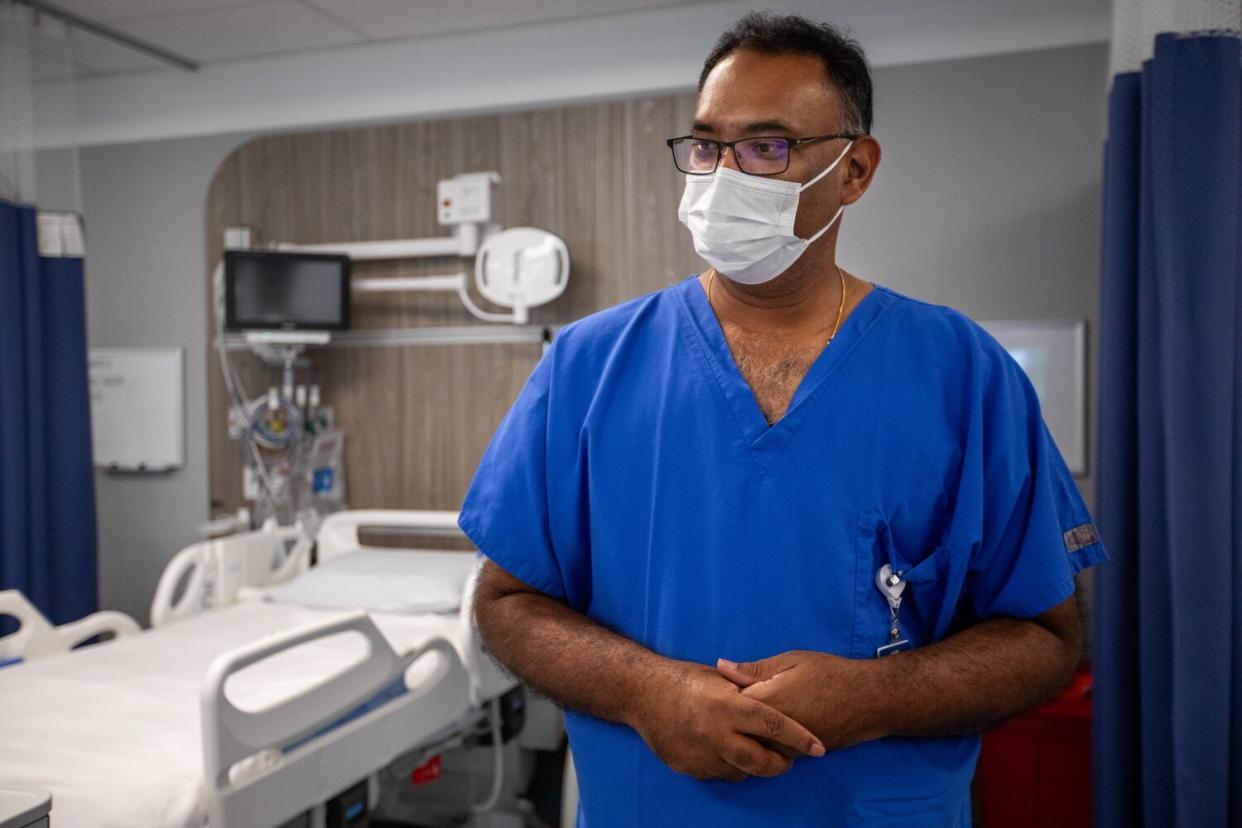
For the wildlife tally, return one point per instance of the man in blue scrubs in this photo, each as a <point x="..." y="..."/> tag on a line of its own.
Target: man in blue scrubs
<point x="780" y="540"/>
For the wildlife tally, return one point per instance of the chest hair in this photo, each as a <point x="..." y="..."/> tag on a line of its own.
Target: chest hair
<point x="773" y="370"/>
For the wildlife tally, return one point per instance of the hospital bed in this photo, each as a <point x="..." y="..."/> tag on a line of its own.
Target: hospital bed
<point x="259" y="710"/>
<point x="224" y="571"/>
<point x="35" y="637"/>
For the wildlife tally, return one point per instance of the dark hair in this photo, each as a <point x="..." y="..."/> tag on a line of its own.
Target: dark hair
<point x="790" y="34"/>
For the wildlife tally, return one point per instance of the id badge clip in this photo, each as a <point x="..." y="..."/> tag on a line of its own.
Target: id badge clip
<point x="891" y="586"/>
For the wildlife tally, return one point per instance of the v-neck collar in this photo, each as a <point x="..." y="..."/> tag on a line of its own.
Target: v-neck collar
<point x="761" y="438"/>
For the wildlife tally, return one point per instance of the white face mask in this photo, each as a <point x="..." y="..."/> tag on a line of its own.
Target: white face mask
<point x="743" y="225"/>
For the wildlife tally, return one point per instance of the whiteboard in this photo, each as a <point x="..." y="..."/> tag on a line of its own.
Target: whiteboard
<point x="1053" y="355"/>
<point x="137" y="408"/>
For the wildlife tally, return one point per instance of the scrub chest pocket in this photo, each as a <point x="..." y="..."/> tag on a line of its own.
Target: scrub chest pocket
<point x="928" y="609"/>
<point x="932" y="788"/>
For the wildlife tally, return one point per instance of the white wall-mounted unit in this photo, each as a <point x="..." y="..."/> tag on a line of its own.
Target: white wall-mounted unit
<point x="137" y="408"/>
<point x="1053" y="355"/>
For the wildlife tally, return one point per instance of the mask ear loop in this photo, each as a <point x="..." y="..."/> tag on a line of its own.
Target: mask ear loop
<point x="827" y="226"/>
<point x="827" y="170"/>
<point x="815" y="180"/>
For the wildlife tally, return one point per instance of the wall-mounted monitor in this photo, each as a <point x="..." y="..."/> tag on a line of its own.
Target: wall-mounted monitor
<point x="287" y="291"/>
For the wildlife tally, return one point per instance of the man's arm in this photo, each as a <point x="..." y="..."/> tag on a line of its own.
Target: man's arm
<point x="969" y="681"/>
<point x="985" y="674"/>
<point x="694" y="719"/>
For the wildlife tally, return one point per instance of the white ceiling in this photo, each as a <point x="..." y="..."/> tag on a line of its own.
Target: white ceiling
<point x="220" y="31"/>
<point x="275" y="65"/>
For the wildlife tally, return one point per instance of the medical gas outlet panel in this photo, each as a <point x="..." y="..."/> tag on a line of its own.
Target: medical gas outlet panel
<point x="470" y="198"/>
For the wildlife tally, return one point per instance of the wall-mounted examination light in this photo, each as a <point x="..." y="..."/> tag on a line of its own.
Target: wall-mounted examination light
<point x="521" y="268"/>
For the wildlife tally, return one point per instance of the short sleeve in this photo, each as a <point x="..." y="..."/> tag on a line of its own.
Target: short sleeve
<point x="506" y="510"/>
<point x="1035" y="531"/>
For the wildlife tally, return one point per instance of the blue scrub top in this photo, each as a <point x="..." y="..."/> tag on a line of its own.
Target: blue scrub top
<point x="636" y="479"/>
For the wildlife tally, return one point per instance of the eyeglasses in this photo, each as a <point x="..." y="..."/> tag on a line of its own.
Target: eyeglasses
<point x="755" y="156"/>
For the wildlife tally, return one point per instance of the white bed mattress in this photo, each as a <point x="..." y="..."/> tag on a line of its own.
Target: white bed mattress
<point x="113" y="731"/>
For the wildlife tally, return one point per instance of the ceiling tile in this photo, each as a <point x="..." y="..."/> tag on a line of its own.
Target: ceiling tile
<point x="235" y="32"/>
<point x="390" y="19"/>
<point x="104" y="11"/>
<point x="46" y="68"/>
<point x="50" y="52"/>
<point x="103" y="56"/>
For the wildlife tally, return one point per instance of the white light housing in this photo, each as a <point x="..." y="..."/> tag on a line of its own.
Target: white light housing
<point x="522" y="267"/>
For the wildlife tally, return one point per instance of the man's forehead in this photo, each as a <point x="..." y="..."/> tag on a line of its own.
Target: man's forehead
<point x="750" y="92"/>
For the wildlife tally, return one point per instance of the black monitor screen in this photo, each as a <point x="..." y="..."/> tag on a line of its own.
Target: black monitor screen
<point x="287" y="291"/>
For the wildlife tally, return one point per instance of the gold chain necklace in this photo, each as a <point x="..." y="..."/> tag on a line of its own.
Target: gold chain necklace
<point x="711" y="279"/>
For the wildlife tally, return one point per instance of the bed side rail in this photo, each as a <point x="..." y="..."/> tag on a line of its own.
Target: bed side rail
<point x="310" y="724"/>
<point x="218" y="572"/>
<point x="35" y="636"/>
<point x="338" y="533"/>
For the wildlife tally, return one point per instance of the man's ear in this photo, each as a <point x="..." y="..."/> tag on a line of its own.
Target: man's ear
<point x="863" y="160"/>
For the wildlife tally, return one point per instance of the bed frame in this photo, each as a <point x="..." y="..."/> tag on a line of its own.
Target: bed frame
<point x="280" y="784"/>
<point x="339" y="534"/>
<point x="279" y="765"/>
<point x="35" y="636"/>
<point x="223" y="571"/>
<point x="209" y="574"/>
<point x="303" y="778"/>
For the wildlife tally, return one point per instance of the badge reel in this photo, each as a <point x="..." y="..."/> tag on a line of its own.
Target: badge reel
<point x="891" y="586"/>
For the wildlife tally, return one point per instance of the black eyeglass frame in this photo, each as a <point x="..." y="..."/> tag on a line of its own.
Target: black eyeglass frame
<point x="722" y="145"/>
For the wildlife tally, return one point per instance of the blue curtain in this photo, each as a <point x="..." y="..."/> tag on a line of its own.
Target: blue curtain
<point x="1168" y="660"/>
<point x="47" y="489"/>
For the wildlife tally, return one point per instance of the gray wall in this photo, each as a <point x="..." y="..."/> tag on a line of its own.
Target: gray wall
<point x="143" y="207"/>
<point x="987" y="199"/>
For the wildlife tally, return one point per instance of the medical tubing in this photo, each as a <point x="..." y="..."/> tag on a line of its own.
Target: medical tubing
<point x="498" y="769"/>
<point x="235" y="388"/>
<point x="233" y="385"/>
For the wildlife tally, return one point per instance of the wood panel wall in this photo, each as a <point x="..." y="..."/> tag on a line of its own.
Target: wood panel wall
<point x="417" y="418"/>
